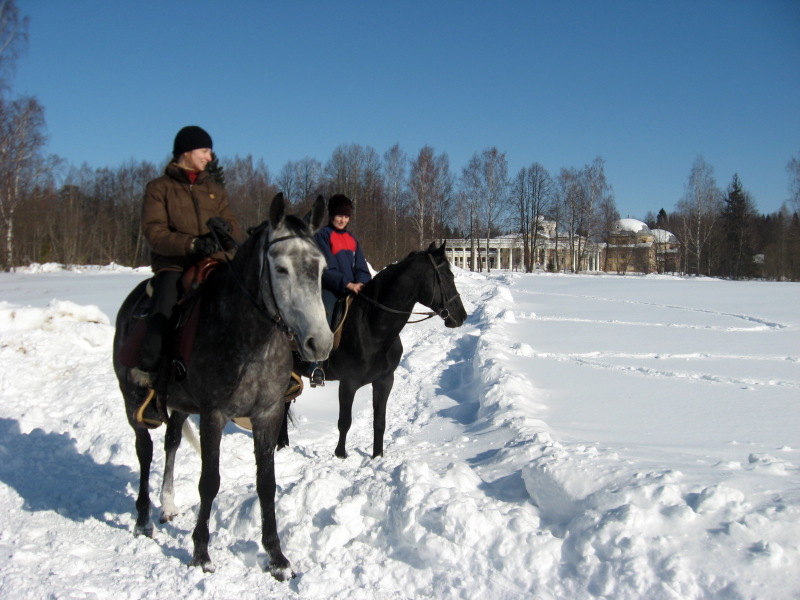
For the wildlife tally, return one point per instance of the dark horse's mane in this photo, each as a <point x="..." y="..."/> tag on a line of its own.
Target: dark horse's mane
<point x="389" y="274"/>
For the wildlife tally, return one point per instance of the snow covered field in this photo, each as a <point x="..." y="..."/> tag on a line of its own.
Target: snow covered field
<point x="578" y="437"/>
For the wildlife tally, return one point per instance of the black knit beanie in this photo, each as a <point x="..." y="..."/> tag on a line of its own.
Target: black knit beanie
<point x="339" y="204"/>
<point x="190" y="138"/>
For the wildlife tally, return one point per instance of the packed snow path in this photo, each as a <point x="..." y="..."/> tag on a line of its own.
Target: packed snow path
<point x="578" y="437"/>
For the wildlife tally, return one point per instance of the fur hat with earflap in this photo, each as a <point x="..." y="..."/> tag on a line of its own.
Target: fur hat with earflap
<point x="339" y="204"/>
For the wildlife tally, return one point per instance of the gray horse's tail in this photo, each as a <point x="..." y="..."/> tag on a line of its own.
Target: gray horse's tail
<point x="190" y="435"/>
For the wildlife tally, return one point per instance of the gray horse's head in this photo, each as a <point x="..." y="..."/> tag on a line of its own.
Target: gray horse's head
<point x="296" y="265"/>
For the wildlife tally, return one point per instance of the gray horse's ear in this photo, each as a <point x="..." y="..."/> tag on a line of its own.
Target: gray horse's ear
<point x="277" y="210"/>
<point x="441" y="248"/>
<point x="318" y="214"/>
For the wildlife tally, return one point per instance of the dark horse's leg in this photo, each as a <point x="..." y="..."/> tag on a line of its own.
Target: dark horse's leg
<point x="172" y="440"/>
<point x="211" y="424"/>
<point x="265" y="434"/>
<point x="144" y="451"/>
<point x="346" y="393"/>
<point x="380" y="394"/>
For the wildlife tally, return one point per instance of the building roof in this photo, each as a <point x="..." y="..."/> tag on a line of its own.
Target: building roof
<point x="664" y="237"/>
<point x="631" y="226"/>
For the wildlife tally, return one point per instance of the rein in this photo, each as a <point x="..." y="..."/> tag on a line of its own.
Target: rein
<point x="428" y="314"/>
<point x="444" y="313"/>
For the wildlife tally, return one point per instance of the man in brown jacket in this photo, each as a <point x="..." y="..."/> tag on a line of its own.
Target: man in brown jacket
<point x="175" y="211"/>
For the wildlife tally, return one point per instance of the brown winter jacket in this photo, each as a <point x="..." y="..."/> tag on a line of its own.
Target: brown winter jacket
<point x="174" y="212"/>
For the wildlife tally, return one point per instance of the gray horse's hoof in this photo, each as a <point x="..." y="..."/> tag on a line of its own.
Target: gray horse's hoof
<point x="166" y="517"/>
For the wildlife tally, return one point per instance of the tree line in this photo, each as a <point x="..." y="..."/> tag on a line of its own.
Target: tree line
<point x="52" y="212"/>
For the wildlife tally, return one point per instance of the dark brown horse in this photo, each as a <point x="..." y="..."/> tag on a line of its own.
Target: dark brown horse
<point x="370" y="349"/>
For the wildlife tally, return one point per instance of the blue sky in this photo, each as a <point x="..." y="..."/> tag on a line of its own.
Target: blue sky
<point x="648" y="86"/>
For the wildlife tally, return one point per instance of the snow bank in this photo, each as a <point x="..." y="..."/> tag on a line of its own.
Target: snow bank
<point x="489" y="487"/>
<point x="38" y="268"/>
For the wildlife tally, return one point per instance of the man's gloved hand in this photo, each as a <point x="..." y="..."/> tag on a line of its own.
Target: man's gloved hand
<point x="219" y="223"/>
<point x="204" y="245"/>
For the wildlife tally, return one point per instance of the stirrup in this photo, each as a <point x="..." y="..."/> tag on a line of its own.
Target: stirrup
<point x="150" y="421"/>
<point x="294" y="389"/>
<point x="317" y="377"/>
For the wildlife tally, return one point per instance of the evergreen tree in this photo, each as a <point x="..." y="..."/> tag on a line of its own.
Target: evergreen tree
<point x="661" y="220"/>
<point x="216" y="170"/>
<point x="737" y="222"/>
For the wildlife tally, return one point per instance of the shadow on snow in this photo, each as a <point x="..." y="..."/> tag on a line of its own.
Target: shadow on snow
<point x="49" y="473"/>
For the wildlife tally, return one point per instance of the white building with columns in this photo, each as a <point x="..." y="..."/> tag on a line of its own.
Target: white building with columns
<point x="552" y="252"/>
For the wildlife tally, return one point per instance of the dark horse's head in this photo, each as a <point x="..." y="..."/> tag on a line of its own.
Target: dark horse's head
<point x="290" y="267"/>
<point x="440" y="287"/>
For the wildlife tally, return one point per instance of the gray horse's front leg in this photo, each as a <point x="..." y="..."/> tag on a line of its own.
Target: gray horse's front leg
<point x="172" y="440"/>
<point x="211" y="424"/>
<point x="265" y="434"/>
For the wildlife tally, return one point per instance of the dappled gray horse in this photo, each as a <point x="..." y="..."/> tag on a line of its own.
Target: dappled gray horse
<point x="240" y="366"/>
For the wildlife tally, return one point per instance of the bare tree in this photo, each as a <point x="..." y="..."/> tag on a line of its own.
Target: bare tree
<point x="249" y="188"/>
<point x="485" y="182"/>
<point x="286" y="182"/>
<point x="494" y="170"/>
<point x="793" y="168"/>
<point x="308" y="179"/>
<point x="343" y="172"/>
<point x="471" y="195"/>
<point x="442" y="197"/>
<point x="700" y="208"/>
<point x="372" y="220"/>
<point x="531" y="193"/>
<point x="21" y="162"/>
<point x="571" y="200"/>
<point x="600" y="207"/>
<point x="13" y="38"/>
<point x="422" y="186"/>
<point x="395" y="162"/>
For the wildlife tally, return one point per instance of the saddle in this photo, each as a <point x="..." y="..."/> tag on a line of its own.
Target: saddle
<point x="184" y="326"/>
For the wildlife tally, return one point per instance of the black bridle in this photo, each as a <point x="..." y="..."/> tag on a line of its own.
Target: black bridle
<point x="444" y="313"/>
<point x="275" y="316"/>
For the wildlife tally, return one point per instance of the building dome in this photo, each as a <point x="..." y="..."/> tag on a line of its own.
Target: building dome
<point x="631" y="227"/>
<point x="664" y="237"/>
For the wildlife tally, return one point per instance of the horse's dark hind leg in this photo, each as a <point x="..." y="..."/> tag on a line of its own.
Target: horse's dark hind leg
<point x="380" y="395"/>
<point x="144" y="451"/>
<point x="211" y="424"/>
<point x="265" y="433"/>
<point x="346" y="393"/>
<point x="283" y="436"/>
<point x="172" y="440"/>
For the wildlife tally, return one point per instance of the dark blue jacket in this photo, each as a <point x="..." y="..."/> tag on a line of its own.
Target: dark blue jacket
<point x="346" y="262"/>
